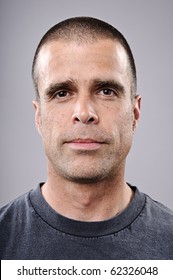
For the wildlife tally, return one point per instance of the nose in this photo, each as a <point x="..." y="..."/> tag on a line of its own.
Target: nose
<point x="84" y="112"/>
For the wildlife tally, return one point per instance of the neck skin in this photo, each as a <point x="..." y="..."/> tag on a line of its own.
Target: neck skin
<point x="93" y="202"/>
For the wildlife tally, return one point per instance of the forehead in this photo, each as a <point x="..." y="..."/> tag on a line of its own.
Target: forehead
<point x="60" y="60"/>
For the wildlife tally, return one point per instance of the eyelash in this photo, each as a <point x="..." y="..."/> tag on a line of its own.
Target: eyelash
<point x="108" y="90"/>
<point x="66" y="93"/>
<point x="60" y="92"/>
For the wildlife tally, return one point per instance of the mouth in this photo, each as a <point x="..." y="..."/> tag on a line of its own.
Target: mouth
<point x="84" y="144"/>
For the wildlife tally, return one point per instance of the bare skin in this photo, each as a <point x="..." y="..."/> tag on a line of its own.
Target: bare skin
<point x="86" y="118"/>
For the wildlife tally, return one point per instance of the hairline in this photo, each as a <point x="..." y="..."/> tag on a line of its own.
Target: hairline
<point x="36" y="71"/>
<point x="85" y="30"/>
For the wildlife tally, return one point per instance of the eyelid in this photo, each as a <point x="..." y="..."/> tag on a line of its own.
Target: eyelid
<point x="67" y="94"/>
<point x="60" y="91"/>
<point x="54" y="89"/>
<point x="116" y="87"/>
<point x="114" y="92"/>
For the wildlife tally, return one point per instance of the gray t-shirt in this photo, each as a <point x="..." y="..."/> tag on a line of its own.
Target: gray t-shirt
<point x="31" y="229"/>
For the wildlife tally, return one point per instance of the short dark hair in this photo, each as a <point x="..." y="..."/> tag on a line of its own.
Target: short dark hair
<point x="83" y="30"/>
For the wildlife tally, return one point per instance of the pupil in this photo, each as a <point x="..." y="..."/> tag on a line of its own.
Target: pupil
<point x="62" y="94"/>
<point x="106" y="91"/>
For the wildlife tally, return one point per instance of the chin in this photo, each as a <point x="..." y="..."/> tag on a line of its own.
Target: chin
<point x="87" y="178"/>
<point x="84" y="172"/>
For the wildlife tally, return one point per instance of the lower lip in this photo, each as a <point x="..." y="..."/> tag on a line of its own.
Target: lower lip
<point x="84" y="145"/>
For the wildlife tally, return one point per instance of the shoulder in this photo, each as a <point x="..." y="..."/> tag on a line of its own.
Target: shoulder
<point x="15" y="209"/>
<point x="158" y="215"/>
<point x="158" y="208"/>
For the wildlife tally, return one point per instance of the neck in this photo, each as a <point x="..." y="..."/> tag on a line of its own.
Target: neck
<point x="90" y="202"/>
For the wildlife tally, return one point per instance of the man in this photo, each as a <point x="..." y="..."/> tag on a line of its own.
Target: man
<point x="86" y="111"/>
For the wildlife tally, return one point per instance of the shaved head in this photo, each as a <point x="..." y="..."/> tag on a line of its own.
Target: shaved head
<point x="83" y="30"/>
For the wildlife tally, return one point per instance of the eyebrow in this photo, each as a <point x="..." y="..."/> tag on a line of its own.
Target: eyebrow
<point x="71" y="84"/>
<point x="64" y="85"/>
<point x="108" y="83"/>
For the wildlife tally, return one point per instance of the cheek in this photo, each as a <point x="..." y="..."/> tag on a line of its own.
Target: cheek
<point x="52" y="118"/>
<point x="122" y="126"/>
<point x="126" y="129"/>
<point x="120" y="116"/>
<point x="51" y="124"/>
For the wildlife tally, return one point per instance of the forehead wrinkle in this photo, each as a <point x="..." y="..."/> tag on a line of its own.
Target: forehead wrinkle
<point x="74" y="85"/>
<point x="45" y="54"/>
<point x="44" y="60"/>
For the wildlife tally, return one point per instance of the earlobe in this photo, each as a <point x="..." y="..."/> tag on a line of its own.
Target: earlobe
<point x="37" y="115"/>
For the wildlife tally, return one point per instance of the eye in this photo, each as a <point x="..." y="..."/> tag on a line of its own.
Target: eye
<point x="107" y="92"/>
<point x="61" y="94"/>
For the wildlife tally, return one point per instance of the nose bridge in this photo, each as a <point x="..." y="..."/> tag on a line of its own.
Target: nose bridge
<point x="84" y="102"/>
<point x="84" y="110"/>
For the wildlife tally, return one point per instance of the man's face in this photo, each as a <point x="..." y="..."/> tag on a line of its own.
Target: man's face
<point x="85" y="115"/>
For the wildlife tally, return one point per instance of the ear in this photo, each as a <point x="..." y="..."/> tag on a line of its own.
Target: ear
<point x="36" y="105"/>
<point x="136" y="111"/>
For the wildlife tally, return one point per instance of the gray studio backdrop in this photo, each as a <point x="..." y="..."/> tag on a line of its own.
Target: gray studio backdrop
<point x="147" y="26"/>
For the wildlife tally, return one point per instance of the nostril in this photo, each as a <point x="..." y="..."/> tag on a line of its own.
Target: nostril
<point x="91" y="120"/>
<point x="88" y="118"/>
<point x="76" y="119"/>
